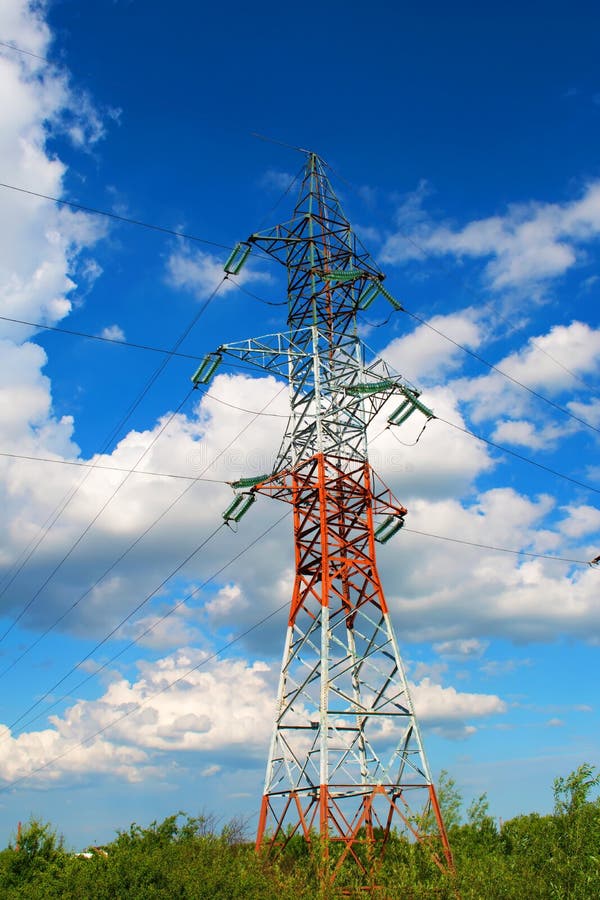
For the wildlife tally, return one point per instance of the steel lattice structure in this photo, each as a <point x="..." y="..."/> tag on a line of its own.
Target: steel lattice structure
<point x="346" y="760"/>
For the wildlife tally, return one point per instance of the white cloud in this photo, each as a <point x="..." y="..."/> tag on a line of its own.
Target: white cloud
<point x="576" y="345"/>
<point x="580" y="520"/>
<point x="497" y="667"/>
<point x="39" y="243"/>
<point x="226" y="605"/>
<point x="467" y="648"/>
<point x="522" y="433"/>
<point x="200" y="273"/>
<point x="422" y="470"/>
<point x="216" y="440"/>
<point x="434" y="671"/>
<point x="113" y="332"/>
<point x="531" y="243"/>
<point x="450" y="711"/>
<point x="277" y="180"/>
<point x="226" y="704"/>
<point x="425" y="355"/>
<point x="492" y="396"/>
<point x="171" y="625"/>
<point x="223" y="707"/>
<point x="589" y="411"/>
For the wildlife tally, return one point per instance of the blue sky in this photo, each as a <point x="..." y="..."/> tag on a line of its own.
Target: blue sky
<point x="463" y="148"/>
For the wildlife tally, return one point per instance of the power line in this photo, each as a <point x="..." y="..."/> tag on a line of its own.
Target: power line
<point x="444" y="537"/>
<point x="244" y="409"/>
<point x="125" y="552"/>
<point x="469" y="352"/>
<point x="495" y="368"/>
<point x="118" y="218"/>
<point x="196" y="239"/>
<point x="222" y="481"/>
<point x="415" y="316"/>
<point x="123" y="343"/>
<point x="139" y="637"/>
<point x="260" y="299"/>
<point x="488" y="303"/>
<point x="497" y="446"/>
<point x="418" y="318"/>
<point x="26" y="52"/>
<point x="98" y="337"/>
<point x="136" y="609"/>
<point x="97" y="467"/>
<point x="271" y="140"/>
<point x="152" y="696"/>
<point x="203" y="662"/>
<point x="505" y="450"/>
<point x="69" y="496"/>
<point x="527" y="459"/>
<point x="81" y="537"/>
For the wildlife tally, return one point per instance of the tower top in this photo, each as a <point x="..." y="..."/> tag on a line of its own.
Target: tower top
<point x="328" y="268"/>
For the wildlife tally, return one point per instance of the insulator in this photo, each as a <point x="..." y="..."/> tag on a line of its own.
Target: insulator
<point x="342" y="275"/>
<point x="368" y="295"/>
<point x="239" y="507"/>
<point x="207" y="368"/>
<point x="374" y="387"/>
<point x="248" y="482"/>
<point x="390" y="299"/>
<point x="408" y="407"/>
<point x="418" y="404"/>
<point x="396" y="417"/>
<point x="388" y="529"/>
<point x="237" y="258"/>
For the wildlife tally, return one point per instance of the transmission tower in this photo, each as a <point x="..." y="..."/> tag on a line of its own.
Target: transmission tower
<point x="346" y="763"/>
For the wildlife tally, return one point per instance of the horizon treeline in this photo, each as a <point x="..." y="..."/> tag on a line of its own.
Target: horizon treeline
<point x="549" y="857"/>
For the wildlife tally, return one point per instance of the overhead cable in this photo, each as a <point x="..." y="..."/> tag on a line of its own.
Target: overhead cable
<point x="501" y="447"/>
<point x="112" y="215"/>
<point x="70" y="495"/>
<point x="128" y="550"/>
<point x="162" y="690"/>
<point x="78" y="540"/>
<point x="159" y="621"/>
<point x="99" y="337"/>
<point x="504" y="374"/>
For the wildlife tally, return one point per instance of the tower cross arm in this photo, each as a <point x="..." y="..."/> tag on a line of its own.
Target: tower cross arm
<point x="271" y="352"/>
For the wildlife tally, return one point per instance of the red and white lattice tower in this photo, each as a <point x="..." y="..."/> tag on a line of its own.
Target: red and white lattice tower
<point x="346" y="761"/>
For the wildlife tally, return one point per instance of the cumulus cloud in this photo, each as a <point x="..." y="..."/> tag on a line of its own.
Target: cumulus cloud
<point x="452" y="594"/>
<point x="200" y="273"/>
<point x="215" y="440"/>
<point x="227" y="704"/>
<point x="497" y="667"/>
<point x="41" y="246"/>
<point x="523" y="601"/>
<point x="493" y="396"/>
<point x="580" y="520"/>
<point x="522" y="433"/>
<point x="529" y="244"/>
<point x="425" y="354"/>
<point x="188" y="703"/>
<point x="450" y="711"/>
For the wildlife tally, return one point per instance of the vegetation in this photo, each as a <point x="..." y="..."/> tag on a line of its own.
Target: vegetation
<point x="553" y="857"/>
